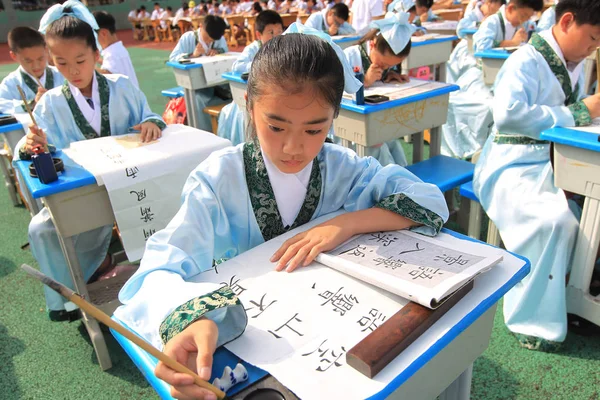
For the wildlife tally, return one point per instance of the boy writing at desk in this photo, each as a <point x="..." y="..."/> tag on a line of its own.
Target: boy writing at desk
<point x="539" y="87"/>
<point x="28" y="48"/>
<point x="282" y="179"/>
<point x="333" y="20"/>
<point x="206" y="41"/>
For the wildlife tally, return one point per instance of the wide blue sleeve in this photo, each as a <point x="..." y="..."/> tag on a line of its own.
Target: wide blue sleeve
<point x="139" y="110"/>
<point x="184" y="48"/>
<point x="10" y="99"/>
<point x="244" y="61"/>
<point x="358" y="183"/>
<point x="489" y="34"/>
<point x="547" y="20"/>
<point x="468" y="21"/>
<point x="346" y="29"/>
<point x="221" y="45"/>
<point x="315" y="21"/>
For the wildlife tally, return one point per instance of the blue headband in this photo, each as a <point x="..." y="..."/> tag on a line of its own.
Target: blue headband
<point x="395" y="29"/>
<point x="78" y="10"/>
<point x="351" y="84"/>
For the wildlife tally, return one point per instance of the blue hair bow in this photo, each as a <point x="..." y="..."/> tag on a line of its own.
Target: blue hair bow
<point x="395" y="29"/>
<point x="351" y="84"/>
<point x="77" y="10"/>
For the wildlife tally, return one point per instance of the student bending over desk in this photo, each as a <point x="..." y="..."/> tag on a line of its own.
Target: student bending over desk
<point x="539" y="87"/>
<point x="88" y="105"/>
<point x="333" y="20"/>
<point x="243" y="196"/>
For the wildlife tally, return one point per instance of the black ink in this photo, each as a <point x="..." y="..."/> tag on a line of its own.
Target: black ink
<point x="425" y="273"/>
<point x="327" y="360"/>
<point x="341" y="303"/>
<point x="132" y="172"/>
<point x="261" y="307"/>
<point x="449" y="260"/>
<point x="236" y="288"/>
<point x="371" y="321"/>
<point x="147" y="214"/>
<point x="411" y="251"/>
<point x="295" y="317"/>
<point x="148" y="233"/>
<point x="389" y="262"/>
<point x="382" y="237"/>
<point x="141" y="195"/>
<point x="357" y="251"/>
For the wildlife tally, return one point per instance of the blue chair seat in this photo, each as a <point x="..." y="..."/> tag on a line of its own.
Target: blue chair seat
<point x="466" y="190"/>
<point x="445" y="172"/>
<point x="173" y="92"/>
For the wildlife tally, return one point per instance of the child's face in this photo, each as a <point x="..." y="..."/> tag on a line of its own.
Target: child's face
<point x="581" y="40"/>
<point x="333" y="20"/>
<point x="493" y="7"/>
<point x="205" y="38"/>
<point x="517" y="16"/>
<point x="291" y="128"/>
<point x="269" y="32"/>
<point x="74" y="59"/>
<point x="386" y="60"/>
<point x="33" y="60"/>
<point x="420" y="10"/>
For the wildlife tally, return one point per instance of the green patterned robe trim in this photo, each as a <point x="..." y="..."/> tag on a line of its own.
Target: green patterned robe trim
<point x="364" y="58"/>
<point x="194" y="309"/>
<point x="31" y="84"/>
<point x="503" y="27"/>
<point x="517" y="139"/>
<point x="82" y="123"/>
<point x="403" y="205"/>
<point x="262" y="196"/>
<point x="581" y="114"/>
<point x="158" y="122"/>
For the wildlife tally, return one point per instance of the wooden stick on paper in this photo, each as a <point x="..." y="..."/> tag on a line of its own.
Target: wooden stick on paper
<point x="105" y="319"/>
<point x="24" y="98"/>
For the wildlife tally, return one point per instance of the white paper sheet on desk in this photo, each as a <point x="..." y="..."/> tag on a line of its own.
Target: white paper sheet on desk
<point x="428" y="36"/>
<point x="309" y="356"/>
<point x="397" y="90"/>
<point x="441" y="26"/>
<point x="144" y="181"/>
<point x="215" y="66"/>
<point x="593" y="128"/>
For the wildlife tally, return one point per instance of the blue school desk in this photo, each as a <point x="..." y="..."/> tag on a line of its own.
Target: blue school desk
<point x="577" y="169"/>
<point x="441" y="364"/>
<point x="11" y="134"/>
<point x="434" y="51"/>
<point x="345" y="41"/>
<point x="468" y="33"/>
<point x="491" y="62"/>
<point x="368" y="126"/>
<point x="191" y="78"/>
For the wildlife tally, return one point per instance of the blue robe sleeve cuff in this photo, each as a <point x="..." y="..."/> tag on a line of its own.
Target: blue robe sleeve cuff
<point x="581" y="114"/>
<point x="158" y="122"/>
<point x="401" y="204"/>
<point x="222" y="306"/>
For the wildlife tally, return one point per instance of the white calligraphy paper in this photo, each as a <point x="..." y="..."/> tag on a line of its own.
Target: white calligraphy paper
<point x="215" y="66"/>
<point x="144" y="180"/>
<point x="397" y="90"/>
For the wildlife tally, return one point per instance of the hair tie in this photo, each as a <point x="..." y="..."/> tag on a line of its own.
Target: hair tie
<point x="73" y="8"/>
<point x="395" y="29"/>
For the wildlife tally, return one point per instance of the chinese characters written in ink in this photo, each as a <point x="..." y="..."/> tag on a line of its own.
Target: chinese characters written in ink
<point x="389" y="262"/>
<point x="147" y="214"/>
<point x="288" y="325"/>
<point x="148" y="233"/>
<point x="327" y="357"/>
<point x="235" y="286"/>
<point x="341" y="302"/>
<point x="357" y="251"/>
<point x="449" y="260"/>
<point x="132" y="172"/>
<point x="260" y="305"/>
<point x="372" y="320"/>
<point x="425" y="273"/>
<point x="384" y="238"/>
<point x="141" y="195"/>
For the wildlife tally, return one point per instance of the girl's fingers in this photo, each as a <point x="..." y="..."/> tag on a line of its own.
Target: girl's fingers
<point x="192" y="392"/>
<point x="299" y="257"/>
<point x="314" y="252"/>
<point x="290" y="253"/>
<point x="277" y="255"/>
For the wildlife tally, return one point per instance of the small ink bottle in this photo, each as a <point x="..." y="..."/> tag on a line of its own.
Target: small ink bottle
<point x="44" y="166"/>
<point x="359" y="96"/>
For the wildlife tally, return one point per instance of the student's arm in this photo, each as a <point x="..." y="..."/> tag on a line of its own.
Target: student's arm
<point x="244" y="62"/>
<point x="184" y="48"/>
<point x="488" y="35"/>
<point x="315" y="21"/>
<point x="221" y="45"/>
<point x="358" y="185"/>
<point x="141" y="117"/>
<point x="47" y="123"/>
<point x="468" y="21"/>
<point x="515" y="109"/>
<point x="10" y="100"/>
<point x="346" y="29"/>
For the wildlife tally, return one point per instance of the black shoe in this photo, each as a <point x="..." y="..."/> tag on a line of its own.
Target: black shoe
<point x="63" y="315"/>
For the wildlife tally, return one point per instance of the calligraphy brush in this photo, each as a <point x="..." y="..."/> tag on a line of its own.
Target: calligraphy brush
<point x="105" y="319"/>
<point x="24" y="98"/>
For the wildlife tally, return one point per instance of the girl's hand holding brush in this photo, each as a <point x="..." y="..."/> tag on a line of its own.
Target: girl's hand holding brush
<point x="35" y="138"/>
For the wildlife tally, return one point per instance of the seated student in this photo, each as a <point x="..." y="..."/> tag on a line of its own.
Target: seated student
<point x="284" y="178"/>
<point x="255" y="10"/>
<point x="208" y="40"/>
<point x="132" y="16"/>
<point x="539" y="87"/>
<point x="87" y="106"/>
<point x="509" y="27"/>
<point x="377" y="56"/>
<point x="215" y="10"/>
<point x="232" y="119"/>
<point x="363" y="12"/>
<point x="28" y="48"/>
<point x="333" y="20"/>
<point x="115" y="58"/>
<point x="418" y="10"/>
<point x="156" y="12"/>
<point x="164" y="16"/>
<point x="183" y="12"/>
<point x="547" y="19"/>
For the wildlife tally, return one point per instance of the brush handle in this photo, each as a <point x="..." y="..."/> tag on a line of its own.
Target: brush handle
<point x="24" y="98"/>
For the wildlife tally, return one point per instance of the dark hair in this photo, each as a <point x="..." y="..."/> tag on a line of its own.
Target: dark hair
<point x="157" y="4"/>
<point x="169" y="8"/>
<point x="267" y="17"/>
<point x="341" y="10"/>
<point x="24" y="37"/>
<point x="502" y="2"/>
<point x="536" y="5"/>
<point x="143" y="8"/>
<point x="585" y="11"/>
<point x="382" y="46"/>
<point x="293" y="62"/>
<point x="185" y="6"/>
<point x="421" y="3"/>
<point x="256" y="7"/>
<point x="214" y="26"/>
<point x="70" y="27"/>
<point x="105" y="21"/>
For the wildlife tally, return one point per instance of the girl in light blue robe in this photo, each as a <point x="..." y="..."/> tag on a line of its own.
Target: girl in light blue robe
<point x="514" y="182"/>
<point x="10" y="98"/>
<point x="260" y="202"/>
<point x="185" y="49"/>
<point x="66" y="116"/>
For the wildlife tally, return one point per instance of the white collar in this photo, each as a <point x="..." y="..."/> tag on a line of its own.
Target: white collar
<point x="113" y="48"/>
<point x="574" y="69"/>
<point x="205" y="46"/>
<point x="324" y="14"/>
<point x="93" y="116"/>
<point x="42" y="79"/>
<point x="289" y="189"/>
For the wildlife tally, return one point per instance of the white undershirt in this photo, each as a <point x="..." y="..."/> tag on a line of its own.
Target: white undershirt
<point x="42" y="79"/>
<point x="574" y="69"/>
<point x="93" y="117"/>
<point x="508" y="27"/>
<point x="289" y="189"/>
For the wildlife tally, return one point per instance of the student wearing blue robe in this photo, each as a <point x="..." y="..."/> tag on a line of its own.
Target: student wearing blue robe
<point x="86" y="106"/>
<point x="27" y="47"/>
<point x="206" y="41"/>
<point x="333" y="20"/>
<point x="539" y="87"/>
<point x="547" y="19"/>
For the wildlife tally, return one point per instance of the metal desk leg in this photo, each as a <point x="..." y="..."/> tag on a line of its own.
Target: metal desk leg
<point x="417" y="141"/>
<point x="10" y="186"/>
<point x="460" y="389"/>
<point x="579" y="300"/>
<point x="435" y="141"/>
<point x="190" y="106"/>
<point x="35" y="205"/>
<point x="92" y="326"/>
